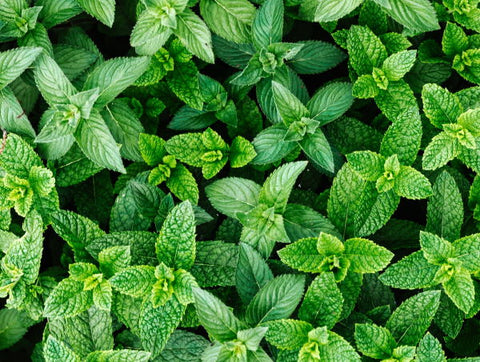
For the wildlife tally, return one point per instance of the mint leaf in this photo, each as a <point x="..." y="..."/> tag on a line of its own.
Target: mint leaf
<point x="103" y="10"/>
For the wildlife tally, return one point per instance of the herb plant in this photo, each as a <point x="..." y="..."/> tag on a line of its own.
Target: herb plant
<point x="240" y="180"/>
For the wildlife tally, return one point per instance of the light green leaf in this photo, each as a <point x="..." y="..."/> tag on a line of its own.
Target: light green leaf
<point x="176" y="242"/>
<point x="411" y="319"/>
<point x="114" y="76"/>
<point x="14" y="62"/>
<point x="215" y="316"/>
<point x="411" y="272"/>
<point x="183" y="185"/>
<point x="241" y="152"/>
<point x="374" y="341"/>
<point x="184" y="83"/>
<point x="416" y="15"/>
<point x="366" y="51"/>
<point x="231" y="19"/>
<point x="114" y="259"/>
<point x="467" y="250"/>
<point x="14" y="325"/>
<point x="439" y="105"/>
<point x="125" y="128"/>
<point x="306" y="61"/>
<point x="436" y="250"/>
<point x="195" y="35"/>
<point x="322" y="304"/>
<point x="289" y="334"/>
<point x="73" y="60"/>
<point x="55" y="350"/>
<point x="157" y="324"/>
<point x="267" y="26"/>
<point x="441" y="149"/>
<point x="252" y="273"/>
<point x="430" y="350"/>
<point x="445" y="208"/>
<point x="270" y="145"/>
<point x="365" y="256"/>
<point x="368" y="164"/>
<point x="98" y="144"/>
<point x="412" y="184"/>
<point x="276" y="189"/>
<point x="52" y="82"/>
<point x="148" y="34"/>
<point x="326" y="10"/>
<point x="277" y="299"/>
<point x="330" y="102"/>
<point x="135" y="281"/>
<point x="291" y="109"/>
<point x="461" y="290"/>
<point x="67" y="300"/>
<point x="56" y="12"/>
<point x="365" y="87"/>
<point x="302" y="255"/>
<point x="183" y="345"/>
<point x="103" y="10"/>
<point x="233" y="195"/>
<point x="318" y="150"/>
<point x="12" y="116"/>
<point x="399" y="64"/>
<point x="119" y="355"/>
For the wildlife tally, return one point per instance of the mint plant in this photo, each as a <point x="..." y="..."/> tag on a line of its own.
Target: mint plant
<point x="213" y="180"/>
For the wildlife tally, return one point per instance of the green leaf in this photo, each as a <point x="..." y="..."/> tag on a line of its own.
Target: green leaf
<point x="114" y="259"/>
<point x="441" y="149"/>
<point x="467" y="250"/>
<point x="417" y="16"/>
<point x="411" y="319"/>
<point x="241" y="152"/>
<point x="454" y="40"/>
<point x="14" y="62"/>
<point x="318" y="150"/>
<point x="176" y="242"/>
<point x="184" y="83"/>
<point x="56" y="12"/>
<point x="411" y="272"/>
<point x="98" y="144"/>
<point x="366" y="51"/>
<point x="55" y="350"/>
<point x="435" y="249"/>
<point x="195" y="35"/>
<point x="399" y="64"/>
<point x="216" y="317"/>
<point x="52" y="82"/>
<point x="276" y="189"/>
<point x="103" y="10"/>
<point x="302" y="255"/>
<point x="267" y="26"/>
<point x="148" y="34"/>
<point x="439" y="105"/>
<point x="135" y="281"/>
<point x="412" y="184"/>
<point x="365" y="87"/>
<point x="157" y="324"/>
<point x="270" y="145"/>
<point x="233" y="195"/>
<point x="445" y="208"/>
<point x="152" y="148"/>
<point x="277" y="299"/>
<point x="114" y="76"/>
<point x="326" y="10"/>
<point x="306" y="61"/>
<point x="291" y="109"/>
<point x="67" y="300"/>
<point x="119" y="355"/>
<point x="252" y="273"/>
<point x="14" y="326"/>
<point x="125" y="128"/>
<point x="12" y="117"/>
<point x="183" y="185"/>
<point x="330" y="102"/>
<point x="403" y="137"/>
<point x="229" y="19"/>
<point x="461" y="290"/>
<point x="374" y="341"/>
<point x="365" y="256"/>
<point x="368" y="164"/>
<point x="322" y="304"/>
<point x="289" y="334"/>
<point x="215" y="263"/>
<point x="183" y="345"/>
<point x="397" y="98"/>
<point x="430" y="350"/>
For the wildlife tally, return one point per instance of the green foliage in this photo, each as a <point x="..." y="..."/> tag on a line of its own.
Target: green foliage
<point x="240" y="180"/>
